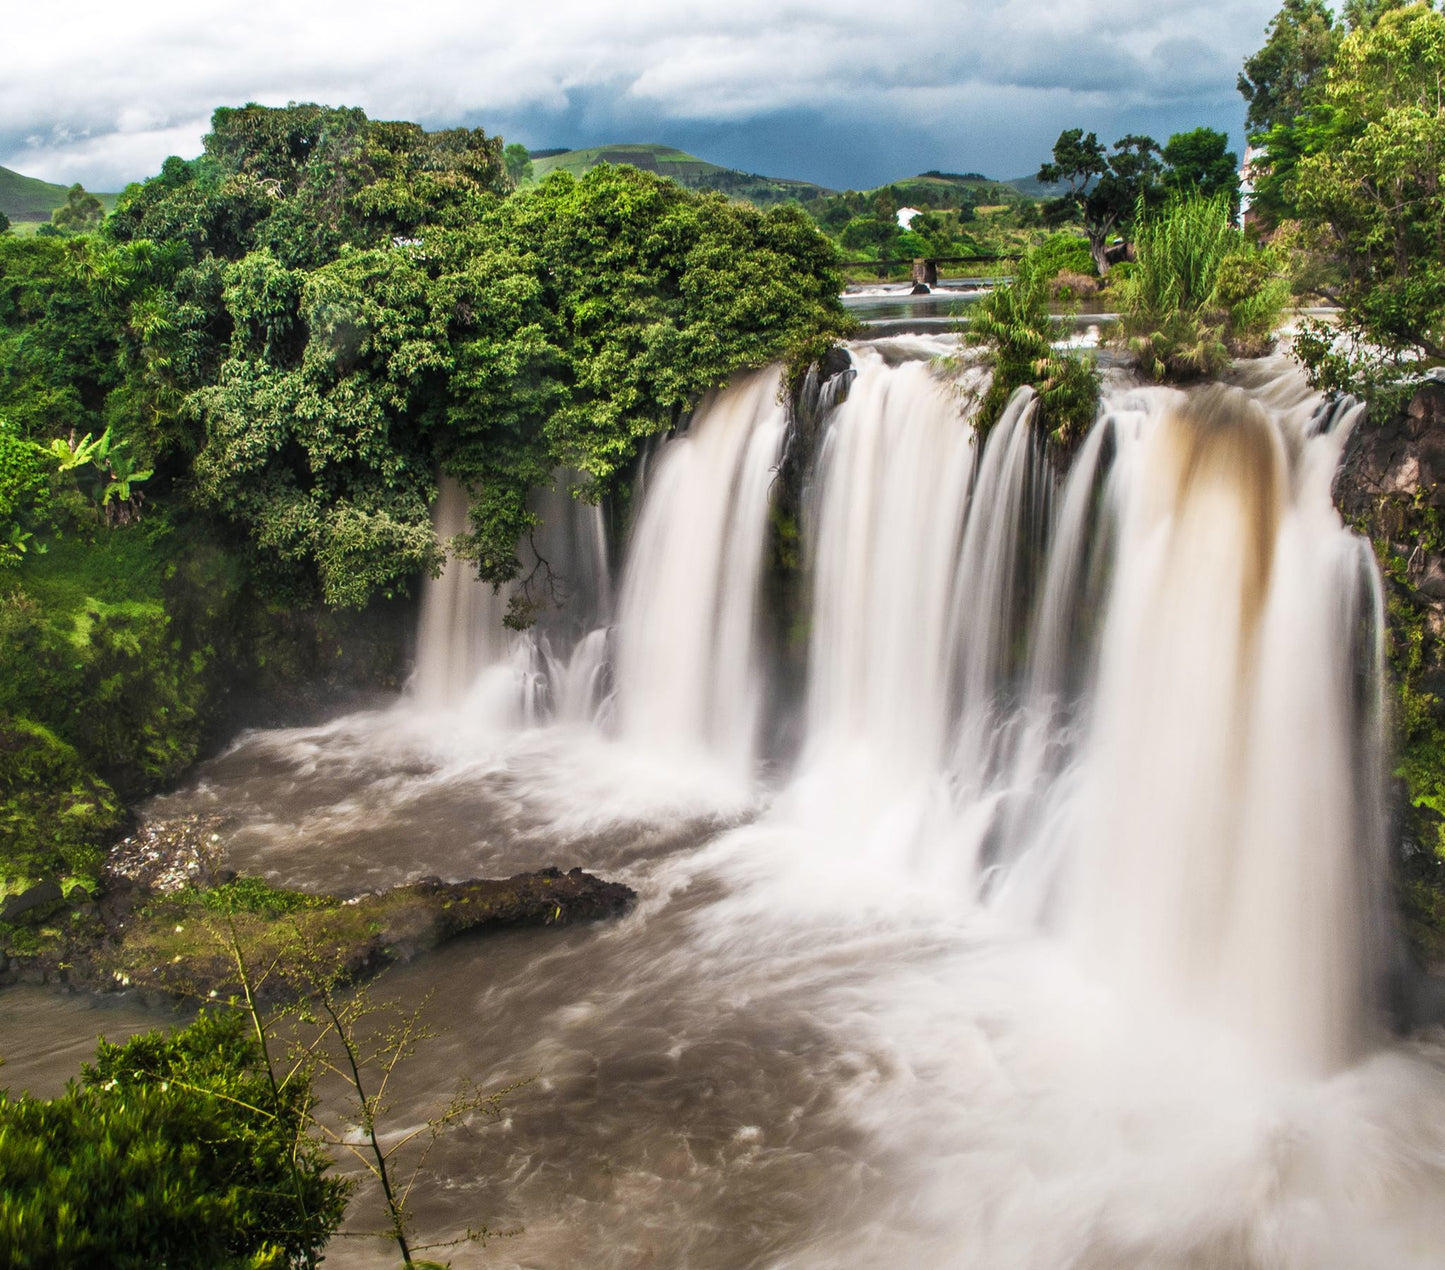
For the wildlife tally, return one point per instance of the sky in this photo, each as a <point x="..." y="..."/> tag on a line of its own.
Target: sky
<point x="843" y="92"/>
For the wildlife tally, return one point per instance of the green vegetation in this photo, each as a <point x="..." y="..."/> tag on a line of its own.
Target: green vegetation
<point x="1103" y="189"/>
<point x="1013" y="323"/>
<point x="1200" y="292"/>
<point x="1350" y="116"/>
<point x="1353" y="129"/>
<point x="1106" y="192"/>
<point x="222" y="413"/>
<point x="1279" y="80"/>
<point x="519" y="164"/>
<point x="170" y="1150"/>
<point x="79" y="214"/>
<point x="56" y="816"/>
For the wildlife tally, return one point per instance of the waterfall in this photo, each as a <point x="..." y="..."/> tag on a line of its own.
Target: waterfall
<point x="889" y="506"/>
<point x="1007" y="826"/>
<point x="460" y="632"/>
<point x="467" y="660"/>
<point x="688" y="676"/>
<point x="1141" y="714"/>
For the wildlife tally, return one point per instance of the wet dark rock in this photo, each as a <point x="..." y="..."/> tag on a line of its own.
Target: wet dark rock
<point x="41" y="895"/>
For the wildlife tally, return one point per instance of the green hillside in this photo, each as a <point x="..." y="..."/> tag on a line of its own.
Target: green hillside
<point x="27" y="198"/>
<point x="1032" y="187"/>
<point x="686" y="169"/>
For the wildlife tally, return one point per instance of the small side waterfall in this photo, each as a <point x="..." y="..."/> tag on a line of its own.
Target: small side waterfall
<point x="460" y="633"/>
<point x="467" y="660"/>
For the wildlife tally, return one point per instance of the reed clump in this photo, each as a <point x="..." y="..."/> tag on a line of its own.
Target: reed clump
<point x="1199" y="293"/>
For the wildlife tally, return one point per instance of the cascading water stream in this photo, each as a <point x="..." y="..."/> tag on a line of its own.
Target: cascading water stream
<point x="1139" y="716"/>
<point x="460" y="632"/>
<point x="468" y="661"/>
<point x="687" y="668"/>
<point x="1219" y="852"/>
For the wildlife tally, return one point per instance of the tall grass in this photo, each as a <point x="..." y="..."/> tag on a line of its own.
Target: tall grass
<point x="1199" y="292"/>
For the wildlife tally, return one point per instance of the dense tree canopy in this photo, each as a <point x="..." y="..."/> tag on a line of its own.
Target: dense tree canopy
<point x="1201" y="162"/>
<point x="1283" y="77"/>
<point x="299" y="327"/>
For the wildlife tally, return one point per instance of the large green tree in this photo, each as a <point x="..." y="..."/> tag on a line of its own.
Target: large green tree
<point x="1201" y="162"/>
<point x="553" y="329"/>
<point x="80" y="213"/>
<point x="1284" y="76"/>
<point x="1368" y="186"/>
<point x="519" y="163"/>
<point x="1104" y="188"/>
<point x="299" y="327"/>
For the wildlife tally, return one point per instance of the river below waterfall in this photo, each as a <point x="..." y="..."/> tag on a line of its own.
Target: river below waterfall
<point x="1035" y="923"/>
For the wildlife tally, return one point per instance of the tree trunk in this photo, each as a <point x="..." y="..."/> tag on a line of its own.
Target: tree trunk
<point x="1099" y="251"/>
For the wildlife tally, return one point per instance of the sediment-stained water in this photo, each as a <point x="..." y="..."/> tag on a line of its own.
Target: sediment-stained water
<point x="1054" y="941"/>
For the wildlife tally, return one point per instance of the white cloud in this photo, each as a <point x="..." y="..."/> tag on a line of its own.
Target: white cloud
<point x="107" y="94"/>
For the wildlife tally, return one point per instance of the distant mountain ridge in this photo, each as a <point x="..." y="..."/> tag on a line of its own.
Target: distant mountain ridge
<point x="699" y="174"/>
<point x="686" y="169"/>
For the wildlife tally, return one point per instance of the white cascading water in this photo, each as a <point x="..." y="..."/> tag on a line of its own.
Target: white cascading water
<point x="1185" y="807"/>
<point x="687" y="669"/>
<point x="1220" y="852"/>
<point x="1054" y="944"/>
<point x="460" y="632"/>
<point x="467" y="660"/>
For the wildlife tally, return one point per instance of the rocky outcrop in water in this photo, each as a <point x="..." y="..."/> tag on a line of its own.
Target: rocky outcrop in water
<point x="184" y="942"/>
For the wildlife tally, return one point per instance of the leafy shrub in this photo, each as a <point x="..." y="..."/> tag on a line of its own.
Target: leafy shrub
<point x="172" y="1150"/>
<point x="256" y="895"/>
<point x="1013" y="323"/>
<point x="1064" y="253"/>
<point x="1199" y="292"/>
<point x="24" y="492"/>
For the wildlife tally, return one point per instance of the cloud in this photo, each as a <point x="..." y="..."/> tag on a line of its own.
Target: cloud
<point x="104" y="97"/>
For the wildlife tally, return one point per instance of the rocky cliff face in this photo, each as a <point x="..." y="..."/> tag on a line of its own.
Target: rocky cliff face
<point x="1389" y="487"/>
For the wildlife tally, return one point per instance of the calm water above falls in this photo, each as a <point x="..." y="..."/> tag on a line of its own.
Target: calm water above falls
<point x="1036" y="924"/>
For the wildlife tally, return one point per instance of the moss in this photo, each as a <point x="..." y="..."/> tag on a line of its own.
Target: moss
<point x="56" y="817"/>
<point x="258" y="897"/>
<point x="96" y="657"/>
<point x="182" y="943"/>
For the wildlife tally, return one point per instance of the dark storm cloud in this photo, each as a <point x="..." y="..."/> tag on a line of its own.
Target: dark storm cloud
<point x="844" y="92"/>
